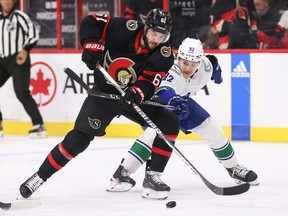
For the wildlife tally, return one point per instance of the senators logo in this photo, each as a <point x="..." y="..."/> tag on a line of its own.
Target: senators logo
<point x="94" y="123"/>
<point x="132" y="25"/>
<point x="120" y="70"/>
<point x="166" y="51"/>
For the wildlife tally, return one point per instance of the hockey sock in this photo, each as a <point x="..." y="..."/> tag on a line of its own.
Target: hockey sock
<point x="136" y="156"/>
<point x="140" y="151"/>
<point x="161" y="154"/>
<point x="74" y="143"/>
<point x="211" y="131"/>
<point x="226" y="155"/>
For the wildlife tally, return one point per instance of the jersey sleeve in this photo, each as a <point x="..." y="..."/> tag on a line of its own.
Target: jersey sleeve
<point x="93" y="28"/>
<point x="170" y="84"/>
<point x="32" y="34"/>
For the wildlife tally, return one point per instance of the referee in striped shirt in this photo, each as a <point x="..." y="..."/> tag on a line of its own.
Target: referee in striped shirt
<point x="18" y="36"/>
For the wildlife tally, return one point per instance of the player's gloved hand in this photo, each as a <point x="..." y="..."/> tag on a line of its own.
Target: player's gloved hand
<point x="92" y="54"/>
<point x="181" y="104"/>
<point x="217" y="71"/>
<point x="133" y="95"/>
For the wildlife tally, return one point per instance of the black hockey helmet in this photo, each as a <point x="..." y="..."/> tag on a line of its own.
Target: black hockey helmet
<point x="159" y="20"/>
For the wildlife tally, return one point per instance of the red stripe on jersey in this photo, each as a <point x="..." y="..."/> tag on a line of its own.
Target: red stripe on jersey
<point x="152" y="73"/>
<point x="53" y="162"/>
<point x="104" y="31"/>
<point x="129" y="13"/>
<point x="64" y="152"/>
<point x="161" y="151"/>
<point x="144" y="79"/>
<point x="129" y="16"/>
<point x="138" y="48"/>
<point x="105" y="19"/>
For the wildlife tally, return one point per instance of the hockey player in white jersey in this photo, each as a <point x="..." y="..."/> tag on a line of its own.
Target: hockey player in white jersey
<point x="191" y="71"/>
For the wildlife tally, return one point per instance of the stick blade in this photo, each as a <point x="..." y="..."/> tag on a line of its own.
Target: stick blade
<point x="20" y="205"/>
<point x="238" y="189"/>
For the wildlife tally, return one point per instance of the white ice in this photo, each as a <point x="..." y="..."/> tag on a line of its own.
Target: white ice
<point x="80" y="187"/>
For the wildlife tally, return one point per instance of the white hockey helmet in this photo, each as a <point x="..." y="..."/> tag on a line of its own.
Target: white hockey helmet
<point x="191" y="49"/>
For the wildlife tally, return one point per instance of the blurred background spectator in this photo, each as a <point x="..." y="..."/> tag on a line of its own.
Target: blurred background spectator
<point x="85" y="11"/>
<point x="137" y="10"/>
<point x="282" y="31"/>
<point x="267" y="18"/>
<point x="223" y="14"/>
<point x="280" y="5"/>
<point x="190" y="19"/>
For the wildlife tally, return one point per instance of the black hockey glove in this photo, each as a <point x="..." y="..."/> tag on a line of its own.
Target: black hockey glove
<point x="217" y="71"/>
<point x="181" y="104"/>
<point x="92" y="54"/>
<point x="133" y="95"/>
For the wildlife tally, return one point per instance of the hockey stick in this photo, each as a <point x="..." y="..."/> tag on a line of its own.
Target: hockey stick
<point x="92" y="92"/>
<point x="20" y="205"/>
<point x="234" y="190"/>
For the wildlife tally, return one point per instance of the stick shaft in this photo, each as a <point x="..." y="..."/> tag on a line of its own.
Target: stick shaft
<point x="217" y="190"/>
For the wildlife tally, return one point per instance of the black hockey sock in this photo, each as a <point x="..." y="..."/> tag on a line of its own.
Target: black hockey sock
<point x="74" y="143"/>
<point x="160" y="156"/>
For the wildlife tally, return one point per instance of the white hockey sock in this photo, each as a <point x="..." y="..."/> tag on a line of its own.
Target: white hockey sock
<point x="211" y="131"/>
<point x="140" y="151"/>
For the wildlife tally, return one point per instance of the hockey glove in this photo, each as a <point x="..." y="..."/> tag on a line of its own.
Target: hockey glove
<point x="181" y="104"/>
<point x="133" y="95"/>
<point x="92" y="54"/>
<point x="217" y="71"/>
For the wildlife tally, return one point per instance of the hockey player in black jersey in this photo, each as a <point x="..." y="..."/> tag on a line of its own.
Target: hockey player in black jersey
<point x="136" y="56"/>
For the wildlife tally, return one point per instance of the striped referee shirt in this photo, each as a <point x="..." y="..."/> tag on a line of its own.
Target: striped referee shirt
<point x="17" y="32"/>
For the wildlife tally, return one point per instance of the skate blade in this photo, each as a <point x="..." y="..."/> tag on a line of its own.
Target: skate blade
<point x="119" y="187"/>
<point x="253" y="183"/>
<point x="38" y="135"/>
<point x="155" y="195"/>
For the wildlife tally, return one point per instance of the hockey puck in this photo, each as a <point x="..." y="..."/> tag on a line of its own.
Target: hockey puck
<point x="171" y="204"/>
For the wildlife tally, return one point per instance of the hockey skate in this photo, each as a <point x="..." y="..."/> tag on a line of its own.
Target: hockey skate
<point x="154" y="187"/>
<point x="120" y="181"/>
<point x="242" y="175"/>
<point x="30" y="185"/>
<point x="38" y="131"/>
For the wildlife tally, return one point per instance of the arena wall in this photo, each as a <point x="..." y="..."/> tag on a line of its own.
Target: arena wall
<point x="250" y="104"/>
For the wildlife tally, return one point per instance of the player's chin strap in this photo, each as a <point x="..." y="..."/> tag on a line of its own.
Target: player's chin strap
<point x="100" y="94"/>
<point x="238" y="189"/>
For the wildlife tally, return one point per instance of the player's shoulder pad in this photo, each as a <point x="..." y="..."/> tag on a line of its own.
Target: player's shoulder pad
<point x="207" y="66"/>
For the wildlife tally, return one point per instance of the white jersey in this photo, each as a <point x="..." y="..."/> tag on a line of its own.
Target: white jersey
<point x="183" y="86"/>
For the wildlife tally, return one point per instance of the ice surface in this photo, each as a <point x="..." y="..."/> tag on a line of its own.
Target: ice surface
<point x="80" y="187"/>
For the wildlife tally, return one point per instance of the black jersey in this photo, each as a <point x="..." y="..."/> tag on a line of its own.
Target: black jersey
<point x="124" y="59"/>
